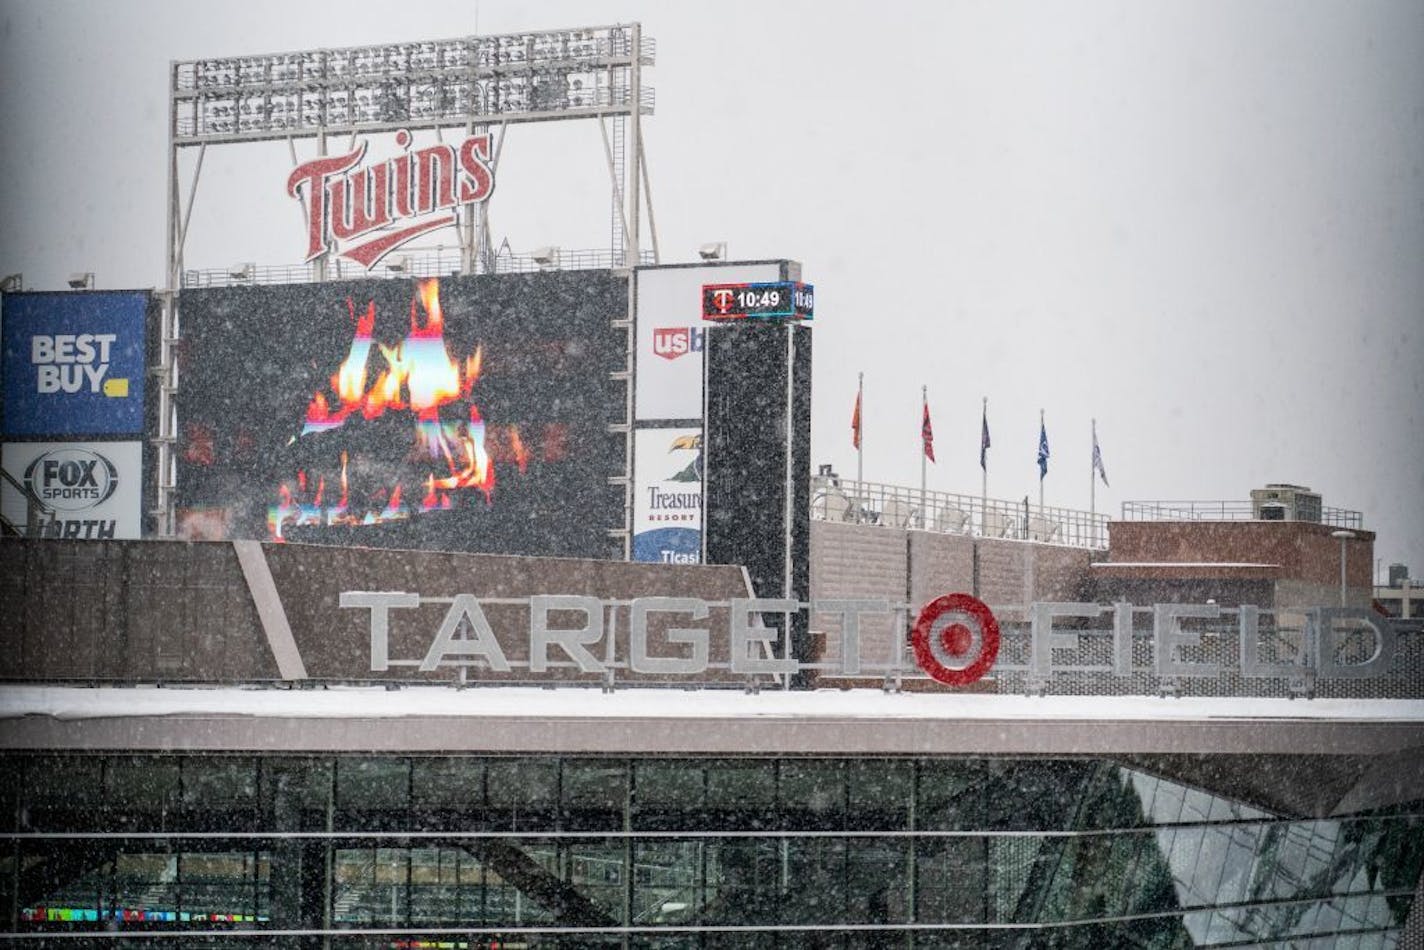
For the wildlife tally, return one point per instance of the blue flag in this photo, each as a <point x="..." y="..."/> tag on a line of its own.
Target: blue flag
<point x="984" y="443"/>
<point x="1042" y="450"/>
<point x="1098" y="456"/>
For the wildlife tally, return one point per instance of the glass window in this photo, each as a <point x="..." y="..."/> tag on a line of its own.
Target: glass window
<point x="813" y="794"/>
<point x="367" y="783"/>
<point x="741" y="795"/>
<point x="878" y="793"/>
<point x="448" y="782"/>
<point x="595" y="795"/>
<point x="223" y="885"/>
<point x="743" y="878"/>
<point x="668" y="795"/>
<point x="957" y="879"/>
<point x="667" y="882"/>
<point x="219" y="782"/>
<point x="288" y="786"/>
<point x="950" y="794"/>
<point x="529" y="783"/>
<point x="145" y="782"/>
<point x="877" y="880"/>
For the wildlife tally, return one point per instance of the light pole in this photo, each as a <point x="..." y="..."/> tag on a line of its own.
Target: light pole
<point x="1344" y="537"/>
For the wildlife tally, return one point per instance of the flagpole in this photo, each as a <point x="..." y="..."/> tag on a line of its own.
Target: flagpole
<point x="860" y="436"/>
<point x="924" y="455"/>
<point x="984" y="472"/>
<point x="1093" y="485"/>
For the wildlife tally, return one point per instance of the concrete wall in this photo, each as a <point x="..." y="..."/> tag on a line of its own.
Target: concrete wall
<point x="186" y="612"/>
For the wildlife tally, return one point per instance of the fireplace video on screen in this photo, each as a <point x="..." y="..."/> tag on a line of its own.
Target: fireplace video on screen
<point x="460" y="413"/>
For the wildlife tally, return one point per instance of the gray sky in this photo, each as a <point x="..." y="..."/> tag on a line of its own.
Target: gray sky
<point x="1201" y="223"/>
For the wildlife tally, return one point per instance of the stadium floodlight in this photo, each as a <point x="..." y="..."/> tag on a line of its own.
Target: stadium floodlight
<point x="546" y="256"/>
<point x="518" y="77"/>
<point x="81" y="280"/>
<point x="399" y="265"/>
<point x="716" y="251"/>
<point x="12" y="284"/>
<point x="242" y="271"/>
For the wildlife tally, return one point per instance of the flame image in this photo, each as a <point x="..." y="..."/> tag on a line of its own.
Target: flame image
<point x="417" y="378"/>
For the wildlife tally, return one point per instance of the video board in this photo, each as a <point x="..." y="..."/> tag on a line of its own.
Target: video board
<point x="459" y="413"/>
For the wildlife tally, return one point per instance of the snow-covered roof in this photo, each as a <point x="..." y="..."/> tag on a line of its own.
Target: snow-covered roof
<point x="652" y="721"/>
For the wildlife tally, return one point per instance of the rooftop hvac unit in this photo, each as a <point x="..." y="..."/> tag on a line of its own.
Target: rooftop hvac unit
<point x="1285" y="503"/>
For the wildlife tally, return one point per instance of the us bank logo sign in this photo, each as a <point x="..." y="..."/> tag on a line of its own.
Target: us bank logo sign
<point x="365" y="211"/>
<point x="667" y="504"/>
<point x="73" y="363"/>
<point x="673" y="343"/>
<point x="92" y="491"/>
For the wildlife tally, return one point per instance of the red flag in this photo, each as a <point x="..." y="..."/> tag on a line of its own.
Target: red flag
<point x="927" y="433"/>
<point x="855" y="423"/>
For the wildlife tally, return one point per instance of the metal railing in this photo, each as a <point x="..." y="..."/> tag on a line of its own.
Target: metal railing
<point x="897" y="506"/>
<point x="1223" y="511"/>
<point x="441" y="262"/>
<point x="36" y="512"/>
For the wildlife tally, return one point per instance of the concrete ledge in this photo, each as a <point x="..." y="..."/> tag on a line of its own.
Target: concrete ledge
<point x="675" y="722"/>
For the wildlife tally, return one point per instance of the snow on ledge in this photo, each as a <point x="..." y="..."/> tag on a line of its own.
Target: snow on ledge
<point x="520" y="703"/>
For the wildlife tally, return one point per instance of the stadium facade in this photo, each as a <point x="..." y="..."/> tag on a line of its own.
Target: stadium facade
<point x="197" y="748"/>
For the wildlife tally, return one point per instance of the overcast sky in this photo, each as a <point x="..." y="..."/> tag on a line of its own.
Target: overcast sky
<point x="1201" y="223"/>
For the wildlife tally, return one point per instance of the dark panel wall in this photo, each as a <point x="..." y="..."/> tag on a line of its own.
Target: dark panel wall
<point x="758" y="458"/>
<point x="155" y="611"/>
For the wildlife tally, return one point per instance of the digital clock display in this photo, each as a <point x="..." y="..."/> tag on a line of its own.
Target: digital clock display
<point x="775" y="300"/>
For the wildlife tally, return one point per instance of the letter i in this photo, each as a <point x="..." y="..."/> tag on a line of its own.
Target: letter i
<point x="405" y="207"/>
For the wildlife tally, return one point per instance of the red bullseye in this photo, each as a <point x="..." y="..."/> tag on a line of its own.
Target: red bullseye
<point x="955" y="638"/>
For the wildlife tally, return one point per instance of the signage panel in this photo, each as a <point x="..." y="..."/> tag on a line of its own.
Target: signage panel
<point x="365" y="211"/>
<point x="671" y="336"/>
<point x="93" y="490"/>
<point x="955" y="637"/>
<point x="73" y="363"/>
<point x="775" y="300"/>
<point x="667" y="503"/>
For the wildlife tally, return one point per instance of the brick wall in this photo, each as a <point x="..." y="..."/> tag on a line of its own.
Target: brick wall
<point x="1307" y="558"/>
<point x="1304" y="550"/>
<point x="869" y="561"/>
<point x="857" y="561"/>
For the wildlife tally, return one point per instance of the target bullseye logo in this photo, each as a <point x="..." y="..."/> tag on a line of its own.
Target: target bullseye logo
<point x="956" y="639"/>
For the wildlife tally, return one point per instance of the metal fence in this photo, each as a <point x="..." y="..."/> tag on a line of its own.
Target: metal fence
<point x="1223" y="511"/>
<point x="437" y="262"/>
<point x="896" y="506"/>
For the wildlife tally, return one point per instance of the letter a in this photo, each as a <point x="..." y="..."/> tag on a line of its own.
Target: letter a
<point x="479" y="641"/>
